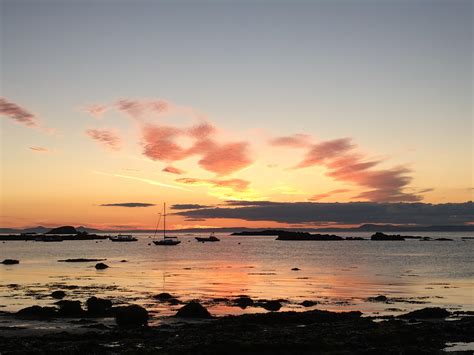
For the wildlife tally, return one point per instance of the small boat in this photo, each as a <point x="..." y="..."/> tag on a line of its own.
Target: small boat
<point x="211" y="238"/>
<point x="166" y="240"/>
<point x="123" y="238"/>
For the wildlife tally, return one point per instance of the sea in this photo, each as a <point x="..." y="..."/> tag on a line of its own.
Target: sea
<point x="336" y="275"/>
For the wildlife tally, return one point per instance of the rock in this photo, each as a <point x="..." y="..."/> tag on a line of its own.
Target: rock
<point x="70" y="308"/>
<point x="37" y="312"/>
<point x="272" y="306"/>
<point x="309" y="303"/>
<point x="132" y="316"/>
<point x="295" y="269"/>
<point x="380" y="298"/>
<point x="383" y="237"/>
<point x="427" y="313"/>
<point x="164" y="296"/>
<point x="98" y="306"/>
<point x="101" y="266"/>
<point x="79" y="260"/>
<point x="58" y="294"/>
<point x="10" y="262"/>
<point x="123" y="261"/>
<point x="444" y="239"/>
<point x="193" y="310"/>
<point x="244" y="302"/>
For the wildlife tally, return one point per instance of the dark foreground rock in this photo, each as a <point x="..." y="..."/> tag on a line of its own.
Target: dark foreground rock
<point x="243" y="302"/>
<point x="37" y="312"/>
<point x="10" y="262"/>
<point x="193" y="310"/>
<point x="70" y="308"/>
<point x="313" y="332"/>
<point x="132" y="316"/>
<point x="98" y="307"/>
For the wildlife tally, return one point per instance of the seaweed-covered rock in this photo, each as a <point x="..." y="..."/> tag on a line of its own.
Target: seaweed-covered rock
<point x="37" y="312"/>
<point x="101" y="266"/>
<point x="10" y="262"/>
<point x="193" y="310"/>
<point x="132" y="316"/>
<point x="98" y="306"/>
<point x="58" y="294"/>
<point x="70" y="308"/>
<point x="427" y="313"/>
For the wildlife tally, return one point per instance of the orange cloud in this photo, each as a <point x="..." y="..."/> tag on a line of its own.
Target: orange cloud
<point x="106" y="138"/>
<point x="327" y="194"/>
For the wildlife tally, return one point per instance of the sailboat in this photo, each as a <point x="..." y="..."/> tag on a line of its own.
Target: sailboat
<point x="166" y="240"/>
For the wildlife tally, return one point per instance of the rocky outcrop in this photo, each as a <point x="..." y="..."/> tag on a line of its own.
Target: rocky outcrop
<point x="10" y="262"/>
<point x="98" y="307"/>
<point x="427" y="313"/>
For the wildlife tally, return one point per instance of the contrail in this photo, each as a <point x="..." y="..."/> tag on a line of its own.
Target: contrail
<point x="148" y="181"/>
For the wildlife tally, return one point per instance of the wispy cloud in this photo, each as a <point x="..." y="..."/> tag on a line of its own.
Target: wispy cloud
<point x="172" y="170"/>
<point x="344" y="163"/>
<point x="40" y="150"/>
<point x="189" y="206"/>
<point x="105" y="137"/>
<point x="21" y="115"/>
<point x="128" y="204"/>
<point x="234" y="184"/>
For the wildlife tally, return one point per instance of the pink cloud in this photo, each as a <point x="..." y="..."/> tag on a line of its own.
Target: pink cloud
<point x="40" y="149"/>
<point x="344" y="163"/>
<point x="161" y="143"/>
<point x="106" y="138"/>
<point x="296" y="141"/>
<point x="17" y="113"/>
<point x="172" y="170"/>
<point x="226" y="158"/>
<point x="96" y="110"/>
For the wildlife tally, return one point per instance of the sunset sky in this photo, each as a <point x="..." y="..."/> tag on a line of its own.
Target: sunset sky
<point x="110" y="108"/>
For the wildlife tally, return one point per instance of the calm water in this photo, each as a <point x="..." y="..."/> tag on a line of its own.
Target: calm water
<point x="339" y="275"/>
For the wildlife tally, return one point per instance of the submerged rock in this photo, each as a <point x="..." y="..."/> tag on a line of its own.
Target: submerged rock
<point x="272" y="306"/>
<point x="244" y="302"/>
<point x="193" y="310"/>
<point x="98" y="306"/>
<point x="427" y="313"/>
<point x="10" y="262"/>
<point x="101" y="266"/>
<point x="164" y="296"/>
<point x="132" y="316"/>
<point x="58" y="294"/>
<point x="380" y="298"/>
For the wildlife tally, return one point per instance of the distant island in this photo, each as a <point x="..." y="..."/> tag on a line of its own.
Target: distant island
<point x="252" y="231"/>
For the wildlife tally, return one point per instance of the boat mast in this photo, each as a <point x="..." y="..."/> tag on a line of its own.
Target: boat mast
<point x="164" y="219"/>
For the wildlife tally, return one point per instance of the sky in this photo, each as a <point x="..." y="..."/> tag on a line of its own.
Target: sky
<point x="294" y="109"/>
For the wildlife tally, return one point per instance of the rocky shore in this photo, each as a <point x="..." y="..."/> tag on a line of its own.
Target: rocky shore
<point x="311" y="332"/>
